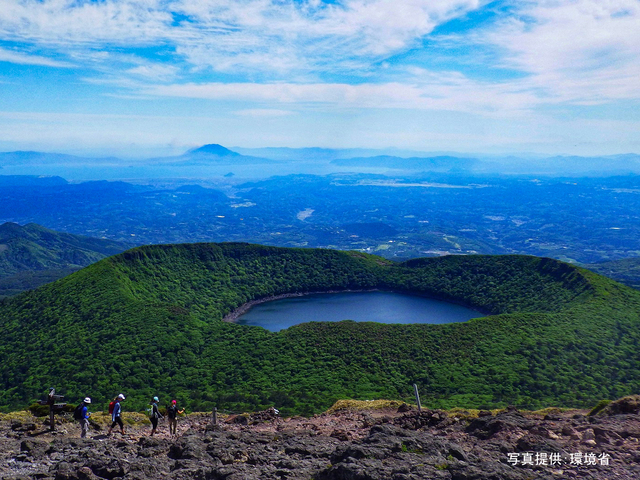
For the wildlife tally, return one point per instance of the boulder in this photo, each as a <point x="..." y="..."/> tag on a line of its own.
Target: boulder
<point x="624" y="405"/>
<point x="510" y="421"/>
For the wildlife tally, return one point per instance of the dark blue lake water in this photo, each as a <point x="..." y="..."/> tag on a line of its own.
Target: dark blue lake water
<point x="382" y="307"/>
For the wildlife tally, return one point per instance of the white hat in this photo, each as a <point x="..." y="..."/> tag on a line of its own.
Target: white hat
<point x="121" y="397"/>
<point x="87" y="400"/>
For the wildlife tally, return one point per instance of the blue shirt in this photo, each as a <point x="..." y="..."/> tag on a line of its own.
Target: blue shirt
<point x="116" y="411"/>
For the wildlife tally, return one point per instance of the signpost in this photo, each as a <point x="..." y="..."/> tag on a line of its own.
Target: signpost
<point x="54" y="406"/>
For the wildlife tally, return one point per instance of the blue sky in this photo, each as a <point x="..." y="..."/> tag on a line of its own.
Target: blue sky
<point x="158" y="76"/>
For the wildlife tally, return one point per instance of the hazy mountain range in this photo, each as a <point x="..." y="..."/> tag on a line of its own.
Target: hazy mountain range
<point x="433" y="164"/>
<point x="37" y="158"/>
<point x="211" y="154"/>
<point x="307" y="160"/>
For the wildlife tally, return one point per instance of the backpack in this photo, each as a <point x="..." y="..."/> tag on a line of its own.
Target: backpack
<point x="155" y="413"/>
<point x="112" y="406"/>
<point x="77" y="413"/>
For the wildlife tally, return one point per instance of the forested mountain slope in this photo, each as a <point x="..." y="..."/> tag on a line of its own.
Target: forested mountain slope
<point x="625" y="271"/>
<point x="149" y="322"/>
<point x="31" y="255"/>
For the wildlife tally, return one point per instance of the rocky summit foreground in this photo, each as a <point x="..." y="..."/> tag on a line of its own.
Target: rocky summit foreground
<point x="387" y="444"/>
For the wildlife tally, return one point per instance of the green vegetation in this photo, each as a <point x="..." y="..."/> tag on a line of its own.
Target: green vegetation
<point x="28" y="280"/>
<point x="149" y="322"/>
<point x="625" y="271"/>
<point x="32" y="255"/>
<point x="599" y="407"/>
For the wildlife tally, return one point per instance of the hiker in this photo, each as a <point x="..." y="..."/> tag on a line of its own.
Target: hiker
<point x="172" y="413"/>
<point x="82" y="415"/>
<point x="116" y="414"/>
<point x="155" y="415"/>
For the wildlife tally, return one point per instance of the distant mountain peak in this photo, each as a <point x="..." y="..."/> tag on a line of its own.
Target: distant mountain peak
<point x="10" y="227"/>
<point x="214" y="149"/>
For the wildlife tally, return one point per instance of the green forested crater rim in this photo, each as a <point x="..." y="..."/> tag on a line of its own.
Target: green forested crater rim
<point x="148" y="322"/>
<point x="234" y="273"/>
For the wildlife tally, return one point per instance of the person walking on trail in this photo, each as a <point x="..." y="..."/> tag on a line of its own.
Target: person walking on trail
<point x="117" y="414"/>
<point x="172" y="413"/>
<point x="155" y="415"/>
<point x="82" y="414"/>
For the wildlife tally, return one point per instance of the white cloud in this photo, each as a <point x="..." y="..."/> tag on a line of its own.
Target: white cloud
<point x="578" y="51"/>
<point x="283" y="36"/>
<point x="153" y="71"/>
<point x="454" y="92"/>
<point x="68" y="22"/>
<point x="300" y="59"/>
<point x="230" y="35"/>
<point x="20" y="58"/>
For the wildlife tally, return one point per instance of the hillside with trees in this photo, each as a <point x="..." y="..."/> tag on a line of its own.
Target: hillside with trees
<point x="625" y="271"/>
<point x="32" y="255"/>
<point x="149" y="322"/>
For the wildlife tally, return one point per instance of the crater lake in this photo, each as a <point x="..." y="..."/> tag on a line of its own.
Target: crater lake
<point x="381" y="307"/>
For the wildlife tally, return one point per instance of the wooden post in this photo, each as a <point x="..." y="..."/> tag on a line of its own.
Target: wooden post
<point x="214" y="416"/>
<point x="53" y="406"/>
<point x="415" y="390"/>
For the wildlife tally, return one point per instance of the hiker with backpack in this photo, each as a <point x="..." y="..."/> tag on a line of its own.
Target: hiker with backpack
<point x="82" y="416"/>
<point x="116" y="412"/>
<point x="154" y="415"/>
<point x="172" y="413"/>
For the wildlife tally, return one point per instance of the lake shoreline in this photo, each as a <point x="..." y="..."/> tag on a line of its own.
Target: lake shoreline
<point x="233" y="316"/>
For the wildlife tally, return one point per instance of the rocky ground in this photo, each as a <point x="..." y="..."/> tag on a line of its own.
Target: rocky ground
<point x="388" y="443"/>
